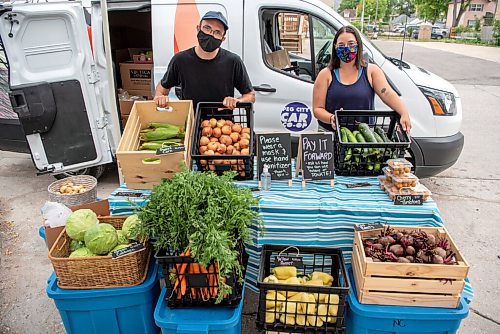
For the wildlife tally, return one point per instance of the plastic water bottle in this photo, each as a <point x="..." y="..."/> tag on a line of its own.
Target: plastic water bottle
<point x="265" y="178"/>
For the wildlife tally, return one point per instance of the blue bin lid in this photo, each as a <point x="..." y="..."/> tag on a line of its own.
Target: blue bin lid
<point x="196" y="320"/>
<point x="54" y="292"/>
<point x="406" y="312"/>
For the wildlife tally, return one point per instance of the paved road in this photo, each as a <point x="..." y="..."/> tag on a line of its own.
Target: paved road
<point x="467" y="195"/>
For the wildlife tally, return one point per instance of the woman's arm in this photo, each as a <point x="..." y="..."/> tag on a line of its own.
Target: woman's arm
<point x="389" y="96"/>
<point x="319" y="97"/>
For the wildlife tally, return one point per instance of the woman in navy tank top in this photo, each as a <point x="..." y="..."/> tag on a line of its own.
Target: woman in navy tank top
<point x="349" y="83"/>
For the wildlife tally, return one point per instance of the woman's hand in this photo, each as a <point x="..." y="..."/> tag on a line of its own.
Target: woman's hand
<point x="405" y="122"/>
<point x="333" y="123"/>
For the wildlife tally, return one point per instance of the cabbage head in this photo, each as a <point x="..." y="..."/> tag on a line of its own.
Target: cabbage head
<point x="130" y="227"/>
<point x="81" y="252"/>
<point x="79" y="222"/>
<point x="122" y="239"/>
<point x="117" y="248"/>
<point x="101" y="238"/>
<point x="75" y="244"/>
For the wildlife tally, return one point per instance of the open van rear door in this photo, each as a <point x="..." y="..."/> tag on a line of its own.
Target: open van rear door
<point x="53" y="85"/>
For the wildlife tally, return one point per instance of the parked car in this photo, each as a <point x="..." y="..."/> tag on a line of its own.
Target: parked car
<point x="65" y="93"/>
<point x="434" y="34"/>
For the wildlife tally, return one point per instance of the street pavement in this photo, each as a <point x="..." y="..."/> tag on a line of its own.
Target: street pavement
<point x="467" y="194"/>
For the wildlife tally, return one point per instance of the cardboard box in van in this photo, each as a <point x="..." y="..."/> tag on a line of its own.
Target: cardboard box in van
<point x="136" y="76"/>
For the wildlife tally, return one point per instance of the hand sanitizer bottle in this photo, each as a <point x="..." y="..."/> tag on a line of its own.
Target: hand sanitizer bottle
<point x="265" y="178"/>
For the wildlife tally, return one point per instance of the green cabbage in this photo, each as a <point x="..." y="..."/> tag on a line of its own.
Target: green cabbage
<point x="122" y="239"/>
<point x="82" y="252"/>
<point x="75" y="244"/>
<point x="79" y="222"/>
<point x="101" y="238"/>
<point x="117" y="248"/>
<point x="130" y="227"/>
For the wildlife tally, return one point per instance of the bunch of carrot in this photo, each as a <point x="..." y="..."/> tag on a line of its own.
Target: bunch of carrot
<point x="180" y="288"/>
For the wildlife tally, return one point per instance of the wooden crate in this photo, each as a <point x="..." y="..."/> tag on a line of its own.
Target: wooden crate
<point x="138" y="173"/>
<point x="408" y="284"/>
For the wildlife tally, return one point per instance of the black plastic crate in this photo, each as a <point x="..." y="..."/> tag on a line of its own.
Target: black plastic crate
<point x="243" y="164"/>
<point x="170" y="262"/>
<point x="290" y="315"/>
<point x="368" y="159"/>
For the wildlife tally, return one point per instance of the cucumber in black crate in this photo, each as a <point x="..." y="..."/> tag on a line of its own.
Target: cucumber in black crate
<point x="370" y="145"/>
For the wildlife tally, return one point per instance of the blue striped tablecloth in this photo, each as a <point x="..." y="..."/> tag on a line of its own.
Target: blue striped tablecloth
<point x="317" y="215"/>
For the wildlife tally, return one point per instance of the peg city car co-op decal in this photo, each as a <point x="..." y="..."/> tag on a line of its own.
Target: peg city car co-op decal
<point x="296" y="116"/>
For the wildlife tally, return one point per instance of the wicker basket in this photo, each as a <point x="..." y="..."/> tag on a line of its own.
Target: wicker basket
<point x="88" y="196"/>
<point x="101" y="271"/>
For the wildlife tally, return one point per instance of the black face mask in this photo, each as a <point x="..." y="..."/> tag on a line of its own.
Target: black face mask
<point x="208" y="42"/>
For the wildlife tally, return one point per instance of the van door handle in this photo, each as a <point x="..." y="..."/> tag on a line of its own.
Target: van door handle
<point x="265" y="88"/>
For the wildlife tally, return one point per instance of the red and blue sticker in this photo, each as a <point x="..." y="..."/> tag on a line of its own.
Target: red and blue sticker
<point x="296" y="116"/>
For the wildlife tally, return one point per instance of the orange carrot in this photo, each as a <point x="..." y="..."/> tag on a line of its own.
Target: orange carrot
<point x="205" y="292"/>
<point x="181" y="279"/>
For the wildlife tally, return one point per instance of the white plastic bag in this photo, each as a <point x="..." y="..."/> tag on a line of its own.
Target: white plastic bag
<point x="55" y="214"/>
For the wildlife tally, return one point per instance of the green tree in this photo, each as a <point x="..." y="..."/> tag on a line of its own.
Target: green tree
<point x="477" y="24"/>
<point x="431" y="9"/>
<point x="372" y="11"/>
<point x="348" y="4"/>
<point x="496" y="31"/>
<point x="398" y="7"/>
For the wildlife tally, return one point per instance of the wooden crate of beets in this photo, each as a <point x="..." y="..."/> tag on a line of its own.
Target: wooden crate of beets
<point x="143" y="169"/>
<point x="198" y="285"/>
<point x="304" y="292"/>
<point x="403" y="282"/>
<point x="365" y="140"/>
<point x="223" y="139"/>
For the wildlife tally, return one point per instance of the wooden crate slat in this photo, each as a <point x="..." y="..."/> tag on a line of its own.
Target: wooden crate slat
<point x="404" y="299"/>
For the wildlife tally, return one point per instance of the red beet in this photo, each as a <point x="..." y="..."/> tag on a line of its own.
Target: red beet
<point x="398" y="250"/>
<point x="410" y="250"/>
<point x="437" y="259"/>
<point x="403" y="260"/>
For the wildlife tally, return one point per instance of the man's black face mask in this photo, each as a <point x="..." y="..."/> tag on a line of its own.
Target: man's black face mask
<point x="208" y="42"/>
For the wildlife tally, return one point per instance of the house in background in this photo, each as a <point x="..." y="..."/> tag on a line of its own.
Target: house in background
<point x="348" y="14"/>
<point x="477" y="9"/>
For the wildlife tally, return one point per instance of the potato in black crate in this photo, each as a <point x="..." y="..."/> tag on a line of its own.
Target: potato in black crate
<point x="224" y="139"/>
<point x="189" y="284"/>
<point x="365" y="139"/>
<point x="302" y="289"/>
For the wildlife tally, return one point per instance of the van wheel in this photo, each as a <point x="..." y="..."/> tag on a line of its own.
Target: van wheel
<point x="95" y="171"/>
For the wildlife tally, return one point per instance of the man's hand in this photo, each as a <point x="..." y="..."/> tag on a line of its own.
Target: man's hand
<point x="161" y="101"/>
<point x="230" y="102"/>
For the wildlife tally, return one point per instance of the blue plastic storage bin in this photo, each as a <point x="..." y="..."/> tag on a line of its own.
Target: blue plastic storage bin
<point x="212" y="320"/>
<point x="127" y="310"/>
<point x="382" y="319"/>
<point x="41" y="233"/>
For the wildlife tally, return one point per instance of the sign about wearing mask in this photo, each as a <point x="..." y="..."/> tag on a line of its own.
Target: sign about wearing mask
<point x="296" y="116"/>
<point x="275" y="151"/>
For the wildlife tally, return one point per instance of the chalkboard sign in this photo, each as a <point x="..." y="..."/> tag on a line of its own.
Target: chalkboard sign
<point x="275" y="151"/>
<point x="368" y="226"/>
<point x="316" y="152"/>
<point x="170" y="149"/>
<point x="132" y="248"/>
<point x="294" y="261"/>
<point x="408" y="200"/>
<point x="129" y="194"/>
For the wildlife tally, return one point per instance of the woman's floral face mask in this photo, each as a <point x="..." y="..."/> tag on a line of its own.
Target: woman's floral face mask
<point x="347" y="53"/>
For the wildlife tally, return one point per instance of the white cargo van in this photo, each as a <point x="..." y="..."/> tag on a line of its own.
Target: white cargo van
<point x="64" y="90"/>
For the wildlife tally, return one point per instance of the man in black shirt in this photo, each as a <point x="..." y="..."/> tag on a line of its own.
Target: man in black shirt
<point x="206" y="72"/>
